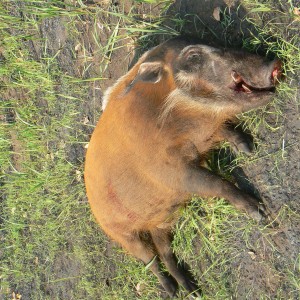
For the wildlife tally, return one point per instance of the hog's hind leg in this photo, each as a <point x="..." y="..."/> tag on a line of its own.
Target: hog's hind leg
<point x="141" y="246"/>
<point x="162" y="240"/>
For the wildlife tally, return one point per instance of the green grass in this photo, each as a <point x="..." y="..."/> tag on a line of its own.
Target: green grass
<point x="51" y="248"/>
<point x="37" y="191"/>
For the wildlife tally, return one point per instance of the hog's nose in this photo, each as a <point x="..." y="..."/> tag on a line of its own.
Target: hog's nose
<point x="276" y="73"/>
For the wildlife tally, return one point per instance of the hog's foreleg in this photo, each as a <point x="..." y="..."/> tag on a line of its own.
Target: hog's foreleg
<point x="202" y="182"/>
<point x="237" y="139"/>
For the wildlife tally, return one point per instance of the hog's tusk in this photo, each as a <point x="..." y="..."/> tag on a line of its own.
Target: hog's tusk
<point x="247" y="90"/>
<point x="236" y="77"/>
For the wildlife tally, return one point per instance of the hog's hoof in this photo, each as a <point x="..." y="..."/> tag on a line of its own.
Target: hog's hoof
<point x="257" y="216"/>
<point x="194" y="291"/>
<point x="196" y="295"/>
<point x="243" y="147"/>
<point x="170" y="286"/>
<point x="260" y="214"/>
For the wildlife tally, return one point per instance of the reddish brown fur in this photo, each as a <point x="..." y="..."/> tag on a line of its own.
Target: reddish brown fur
<point x="161" y="119"/>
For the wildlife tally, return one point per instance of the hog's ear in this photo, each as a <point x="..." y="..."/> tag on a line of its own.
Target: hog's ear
<point x="149" y="72"/>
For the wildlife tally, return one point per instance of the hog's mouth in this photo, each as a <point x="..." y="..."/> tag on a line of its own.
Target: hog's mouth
<point x="240" y="85"/>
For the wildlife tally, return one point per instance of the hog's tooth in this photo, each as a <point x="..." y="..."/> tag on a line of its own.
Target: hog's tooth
<point x="233" y="75"/>
<point x="236" y="77"/>
<point x="247" y="90"/>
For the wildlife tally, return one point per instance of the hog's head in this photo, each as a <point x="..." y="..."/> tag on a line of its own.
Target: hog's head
<point x="216" y="79"/>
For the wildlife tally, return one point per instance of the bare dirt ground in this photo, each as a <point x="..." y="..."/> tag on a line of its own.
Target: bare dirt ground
<point x="278" y="184"/>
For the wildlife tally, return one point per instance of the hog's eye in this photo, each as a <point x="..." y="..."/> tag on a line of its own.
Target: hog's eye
<point x="193" y="55"/>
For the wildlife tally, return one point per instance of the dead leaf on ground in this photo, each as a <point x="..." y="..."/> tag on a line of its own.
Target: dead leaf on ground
<point x="85" y="120"/>
<point x="216" y="13"/>
<point x="16" y="296"/>
<point x="78" y="175"/>
<point x="78" y="47"/>
<point x="230" y="3"/>
<point x="139" y="288"/>
<point x="252" y="255"/>
<point x="297" y="13"/>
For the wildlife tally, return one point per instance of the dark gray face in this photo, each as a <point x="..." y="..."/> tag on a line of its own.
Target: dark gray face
<point x="228" y="75"/>
<point x="182" y="70"/>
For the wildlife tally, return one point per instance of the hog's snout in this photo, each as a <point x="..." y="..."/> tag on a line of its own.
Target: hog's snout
<point x="264" y="79"/>
<point x="222" y="69"/>
<point x="277" y="71"/>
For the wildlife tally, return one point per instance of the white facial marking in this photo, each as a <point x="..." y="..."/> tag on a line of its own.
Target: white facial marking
<point x="213" y="67"/>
